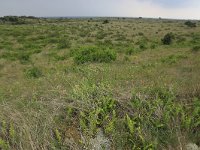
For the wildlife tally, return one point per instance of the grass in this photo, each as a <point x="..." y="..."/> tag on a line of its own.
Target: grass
<point x="74" y="83"/>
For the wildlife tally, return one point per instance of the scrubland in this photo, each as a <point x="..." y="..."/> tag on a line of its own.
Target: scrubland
<point x="99" y="83"/>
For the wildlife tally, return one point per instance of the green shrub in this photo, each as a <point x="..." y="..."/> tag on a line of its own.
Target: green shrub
<point x="196" y="48"/>
<point x="105" y="21"/>
<point x="130" y="50"/>
<point x="190" y="24"/>
<point x="167" y="40"/>
<point x="94" y="54"/>
<point x="33" y="72"/>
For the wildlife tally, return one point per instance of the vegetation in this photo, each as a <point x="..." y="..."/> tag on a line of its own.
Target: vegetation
<point x="70" y="83"/>
<point x="167" y="40"/>
<point x="94" y="54"/>
<point x="190" y="24"/>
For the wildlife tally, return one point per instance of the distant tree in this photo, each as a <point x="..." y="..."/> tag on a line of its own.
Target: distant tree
<point x="190" y="24"/>
<point x="105" y="21"/>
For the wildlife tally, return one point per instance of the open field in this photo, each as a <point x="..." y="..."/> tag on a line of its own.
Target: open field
<point x="100" y="83"/>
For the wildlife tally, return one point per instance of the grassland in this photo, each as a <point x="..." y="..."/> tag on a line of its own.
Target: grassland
<point x="145" y="95"/>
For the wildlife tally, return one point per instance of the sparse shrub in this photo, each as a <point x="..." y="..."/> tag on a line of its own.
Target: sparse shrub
<point x="140" y="34"/>
<point x="101" y="35"/>
<point x="190" y="24"/>
<point x="130" y="51"/>
<point x="167" y="40"/>
<point x="105" y="21"/>
<point x="153" y="46"/>
<point x="33" y="72"/>
<point x="142" y="46"/>
<point x="63" y="43"/>
<point x="196" y="49"/>
<point x="94" y="54"/>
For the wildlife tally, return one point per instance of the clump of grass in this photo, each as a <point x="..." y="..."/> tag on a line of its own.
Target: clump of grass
<point x="63" y="43"/>
<point x="33" y="72"/>
<point x="24" y="58"/>
<point x="171" y="59"/>
<point x="8" y="135"/>
<point x="94" y="54"/>
<point x="196" y="49"/>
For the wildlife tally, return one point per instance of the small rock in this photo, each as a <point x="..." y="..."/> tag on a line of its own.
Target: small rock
<point x="192" y="146"/>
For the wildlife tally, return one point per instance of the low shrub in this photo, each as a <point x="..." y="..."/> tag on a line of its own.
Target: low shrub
<point x="105" y="21"/>
<point x="167" y="40"/>
<point x="196" y="48"/>
<point x="94" y="54"/>
<point x="190" y="24"/>
<point x="64" y="44"/>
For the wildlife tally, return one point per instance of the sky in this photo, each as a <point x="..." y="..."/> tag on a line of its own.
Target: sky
<point x="177" y="9"/>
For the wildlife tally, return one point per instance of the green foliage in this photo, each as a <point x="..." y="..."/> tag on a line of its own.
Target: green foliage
<point x="131" y="50"/>
<point x="168" y="38"/>
<point x="33" y="72"/>
<point x="24" y="58"/>
<point x="94" y="54"/>
<point x="190" y="24"/>
<point x="196" y="48"/>
<point x="172" y="59"/>
<point x="3" y="145"/>
<point x="101" y="105"/>
<point x="105" y="21"/>
<point x="8" y="135"/>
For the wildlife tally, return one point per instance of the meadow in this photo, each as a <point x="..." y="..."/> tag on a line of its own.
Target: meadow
<point x="99" y="83"/>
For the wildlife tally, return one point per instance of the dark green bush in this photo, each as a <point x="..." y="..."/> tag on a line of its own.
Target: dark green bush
<point x="190" y="24"/>
<point x="167" y="40"/>
<point x="196" y="48"/>
<point x="94" y="54"/>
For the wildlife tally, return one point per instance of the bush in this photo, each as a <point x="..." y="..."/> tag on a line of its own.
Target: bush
<point x="94" y="54"/>
<point x="105" y="21"/>
<point x="167" y="40"/>
<point x="190" y="24"/>
<point x="196" y="48"/>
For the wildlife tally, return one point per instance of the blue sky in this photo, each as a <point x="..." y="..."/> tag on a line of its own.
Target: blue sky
<point x="183" y="9"/>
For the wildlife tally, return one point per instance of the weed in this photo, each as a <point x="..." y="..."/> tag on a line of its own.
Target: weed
<point x="196" y="48"/>
<point x="33" y="72"/>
